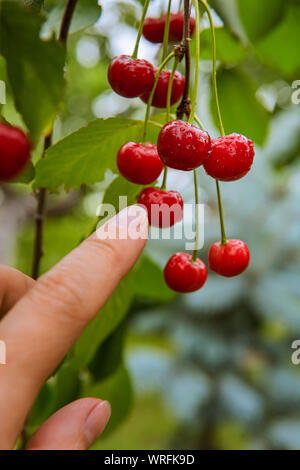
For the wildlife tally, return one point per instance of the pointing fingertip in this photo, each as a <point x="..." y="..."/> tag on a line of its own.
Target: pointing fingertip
<point x="135" y="212"/>
<point x="129" y="223"/>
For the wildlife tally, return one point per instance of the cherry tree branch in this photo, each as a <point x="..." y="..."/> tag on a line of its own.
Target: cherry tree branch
<point x="41" y="194"/>
<point x="184" y="106"/>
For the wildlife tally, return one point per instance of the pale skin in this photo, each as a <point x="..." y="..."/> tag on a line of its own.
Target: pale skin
<point x="40" y="322"/>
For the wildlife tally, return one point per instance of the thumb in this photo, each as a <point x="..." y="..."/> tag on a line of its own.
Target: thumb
<point x="74" y="427"/>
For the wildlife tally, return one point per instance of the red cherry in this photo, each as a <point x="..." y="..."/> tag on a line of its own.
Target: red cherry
<point x="230" y="259"/>
<point x="154" y="28"/>
<point x="184" y="275"/>
<point x="176" y="26"/>
<point x="14" y="152"/>
<point x="183" y="146"/>
<point x="231" y="157"/>
<point x="130" y="77"/>
<point x="139" y="163"/>
<point x="161" y="91"/>
<point x="165" y="208"/>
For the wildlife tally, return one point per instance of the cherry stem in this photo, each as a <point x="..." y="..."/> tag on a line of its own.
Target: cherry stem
<point x="170" y="86"/>
<point x="166" y="32"/>
<point x="164" y="182"/>
<point x="223" y="233"/>
<point x="195" y="253"/>
<point x="164" y="62"/>
<point x="140" y="30"/>
<point x="156" y="124"/>
<point x="197" y="37"/>
<point x="199" y="122"/>
<point x="214" y="74"/>
<point x="216" y="98"/>
<point x="169" y="94"/>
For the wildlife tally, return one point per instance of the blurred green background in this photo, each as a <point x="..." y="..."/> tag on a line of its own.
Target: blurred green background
<point x="210" y="370"/>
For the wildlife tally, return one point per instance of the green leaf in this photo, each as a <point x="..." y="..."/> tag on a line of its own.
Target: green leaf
<point x="34" y="67"/>
<point x="121" y="187"/>
<point x="67" y="386"/>
<point x="149" y="282"/>
<point x="36" y="5"/>
<point x="102" y="326"/>
<point x="240" y="109"/>
<point x="43" y="405"/>
<point x="260" y="16"/>
<point x="117" y="389"/>
<point x="57" y="392"/>
<point x="229" y="48"/>
<point x="86" y="13"/>
<point x="280" y="49"/>
<point x="84" y="156"/>
<point x="228" y="12"/>
<point x="109" y="355"/>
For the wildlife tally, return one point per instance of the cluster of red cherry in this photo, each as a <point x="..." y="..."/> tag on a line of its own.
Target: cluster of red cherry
<point x="181" y="146"/>
<point x="135" y="78"/>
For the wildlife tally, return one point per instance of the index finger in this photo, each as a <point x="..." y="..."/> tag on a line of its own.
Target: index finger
<point x="45" y="323"/>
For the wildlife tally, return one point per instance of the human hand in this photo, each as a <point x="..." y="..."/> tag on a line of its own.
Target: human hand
<point x="40" y="322"/>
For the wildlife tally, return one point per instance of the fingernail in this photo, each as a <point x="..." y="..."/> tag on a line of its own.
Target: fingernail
<point x="131" y="222"/>
<point x="96" y="421"/>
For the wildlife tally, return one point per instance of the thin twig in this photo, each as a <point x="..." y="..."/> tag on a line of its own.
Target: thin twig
<point x="66" y="21"/>
<point x="184" y="106"/>
<point x="41" y="194"/>
<point x="41" y="197"/>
